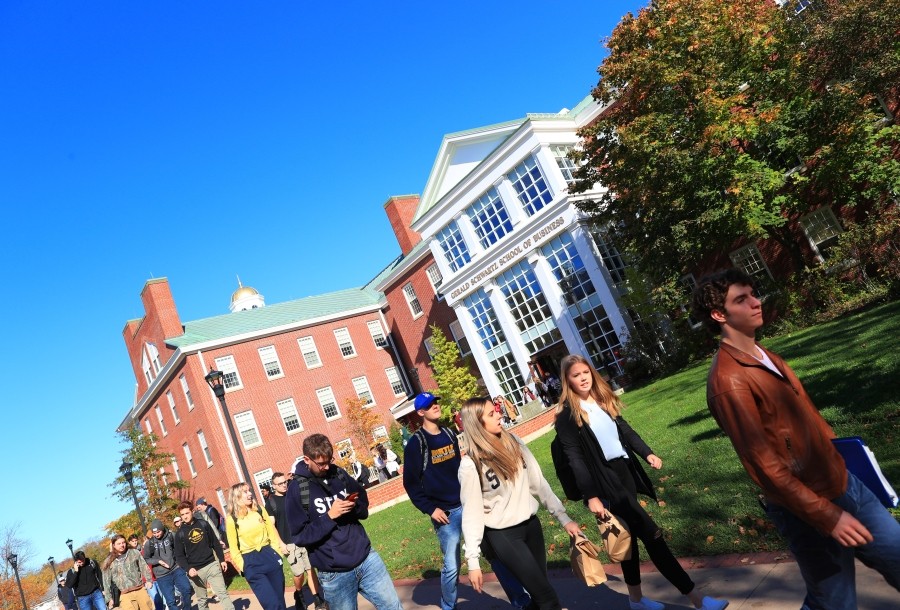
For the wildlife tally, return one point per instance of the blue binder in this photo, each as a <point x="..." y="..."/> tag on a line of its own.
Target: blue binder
<point x="861" y="462"/>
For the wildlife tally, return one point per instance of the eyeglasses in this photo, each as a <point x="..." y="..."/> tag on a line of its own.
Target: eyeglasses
<point x="324" y="464"/>
<point x="279" y="483"/>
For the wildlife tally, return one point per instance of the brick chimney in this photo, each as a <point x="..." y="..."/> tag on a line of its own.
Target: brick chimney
<point x="400" y="210"/>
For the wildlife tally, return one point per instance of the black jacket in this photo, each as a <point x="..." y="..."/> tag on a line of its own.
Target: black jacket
<point x="196" y="545"/>
<point x="595" y="477"/>
<point x="86" y="579"/>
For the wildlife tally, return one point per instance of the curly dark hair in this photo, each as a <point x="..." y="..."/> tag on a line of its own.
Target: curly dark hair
<point x="709" y="295"/>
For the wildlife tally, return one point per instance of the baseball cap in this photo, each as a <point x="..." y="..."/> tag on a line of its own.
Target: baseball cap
<point x="201" y="501"/>
<point x="425" y="400"/>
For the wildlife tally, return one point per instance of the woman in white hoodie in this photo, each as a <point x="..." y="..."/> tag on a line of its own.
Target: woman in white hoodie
<point x="499" y="479"/>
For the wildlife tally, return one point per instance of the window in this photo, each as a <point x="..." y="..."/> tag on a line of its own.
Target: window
<point x="611" y="257"/>
<point x="162" y="474"/>
<point x="270" y="362"/>
<point x="221" y="496"/>
<point x="429" y="347"/>
<point x="329" y="404"/>
<point x="189" y="458"/>
<point x="528" y="307"/>
<point x="412" y="300"/>
<point x="530" y="186"/>
<point x="175" y="469"/>
<point x="460" y="337"/>
<point x="393" y="377"/>
<point x="435" y="277"/>
<point x="342" y="335"/>
<point x="162" y="424"/>
<point x="361" y="386"/>
<point x="204" y="447"/>
<point x="455" y="249"/>
<point x="309" y="351"/>
<point x="344" y="449"/>
<point x="231" y="381"/>
<point x="263" y="477"/>
<point x="147" y="425"/>
<point x="751" y="262"/>
<point x="187" y="392"/>
<point x="288" y="412"/>
<point x="246" y="425"/>
<point x="487" y="326"/>
<point x="171" y="400"/>
<point x="688" y="282"/>
<point x="377" y="333"/>
<point x="822" y="230"/>
<point x="154" y="357"/>
<point x="380" y="434"/>
<point x="145" y="366"/>
<point x="489" y="218"/>
<point x="565" y="164"/>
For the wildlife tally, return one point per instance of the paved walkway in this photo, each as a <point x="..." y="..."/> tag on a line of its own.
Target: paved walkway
<point x="765" y="581"/>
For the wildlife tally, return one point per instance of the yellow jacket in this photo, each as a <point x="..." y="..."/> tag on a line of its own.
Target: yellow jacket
<point x="254" y="531"/>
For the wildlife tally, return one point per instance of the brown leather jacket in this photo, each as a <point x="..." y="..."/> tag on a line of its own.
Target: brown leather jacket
<point x="779" y="435"/>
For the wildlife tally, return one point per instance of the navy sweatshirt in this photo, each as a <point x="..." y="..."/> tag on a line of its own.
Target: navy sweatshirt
<point x="333" y="545"/>
<point x="438" y="485"/>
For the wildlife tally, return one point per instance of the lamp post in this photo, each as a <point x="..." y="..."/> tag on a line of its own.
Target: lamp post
<point x="52" y="566"/>
<point x="216" y="381"/>
<point x="71" y="550"/>
<point x="13" y="560"/>
<point x="126" y="471"/>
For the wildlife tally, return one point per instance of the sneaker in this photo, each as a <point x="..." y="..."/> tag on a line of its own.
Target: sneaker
<point x="321" y="605"/>
<point x="646" y="604"/>
<point x="711" y="603"/>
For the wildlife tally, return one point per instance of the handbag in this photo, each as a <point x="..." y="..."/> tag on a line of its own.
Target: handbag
<point x="586" y="563"/>
<point x="616" y="537"/>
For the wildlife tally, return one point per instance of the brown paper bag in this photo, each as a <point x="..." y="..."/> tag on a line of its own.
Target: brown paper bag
<point x="616" y="537"/>
<point x="585" y="563"/>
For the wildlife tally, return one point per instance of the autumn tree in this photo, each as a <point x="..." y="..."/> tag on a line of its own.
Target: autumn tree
<point x="13" y="542"/>
<point x="455" y="382"/>
<point x="730" y="120"/>
<point x="359" y="422"/>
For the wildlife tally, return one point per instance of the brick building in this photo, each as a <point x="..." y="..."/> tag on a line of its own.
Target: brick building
<point x="289" y="370"/>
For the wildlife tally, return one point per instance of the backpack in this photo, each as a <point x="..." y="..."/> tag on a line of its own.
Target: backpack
<point x="303" y="485"/>
<point x="564" y="471"/>
<point x="423" y="444"/>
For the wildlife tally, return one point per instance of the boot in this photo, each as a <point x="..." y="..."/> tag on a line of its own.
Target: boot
<point x="298" y="600"/>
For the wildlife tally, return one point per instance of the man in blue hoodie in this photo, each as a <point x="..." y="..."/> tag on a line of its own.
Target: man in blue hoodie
<point x="324" y="506"/>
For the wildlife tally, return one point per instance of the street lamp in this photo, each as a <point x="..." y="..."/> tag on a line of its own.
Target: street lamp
<point x="52" y="566"/>
<point x="125" y="469"/>
<point x="13" y="560"/>
<point x="69" y="544"/>
<point x="216" y="381"/>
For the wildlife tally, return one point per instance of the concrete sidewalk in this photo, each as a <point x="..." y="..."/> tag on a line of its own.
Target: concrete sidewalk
<point x="748" y="582"/>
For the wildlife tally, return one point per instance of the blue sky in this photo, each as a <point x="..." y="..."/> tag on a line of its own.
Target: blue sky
<point x="200" y="141"/>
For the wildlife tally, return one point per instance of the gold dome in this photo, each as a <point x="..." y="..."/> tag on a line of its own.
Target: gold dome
<point x="243" y="292"/>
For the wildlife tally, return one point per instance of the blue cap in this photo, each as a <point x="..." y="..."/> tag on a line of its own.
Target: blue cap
<point x="425" y="400"/>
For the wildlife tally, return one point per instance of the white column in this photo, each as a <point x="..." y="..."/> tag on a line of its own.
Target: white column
<point x="555" y="299"/>
<point x="511" y="201"/>
<point x="547" y="162"/>
<point x="467" y="230"/>
<point x="508" y="324"/>
<point x="477" y="347"/>
<point x="584" y="246"/>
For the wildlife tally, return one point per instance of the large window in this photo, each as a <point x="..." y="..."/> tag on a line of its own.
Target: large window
<point x="583" y="303"/>
<point x="145" y="366"/>
<point x="187" y="392"/>
<point x="345" y="344"/>
<point x="344" y="449"/>
<point x="189" y="458"/>
<point x="201" y="438"/>
<point x="489" y="217"/>
<point x="159" y="417"/>
<point x="270" y="362"/>
<point x="455" y="249"/>
<point x="148" y="426"/>
<point x="610" y="255"/>
<point x="263" y="477"/>
<point x="751" y="262"/>
<point x="529" y="307"/>
<point x="309" y="351"/>
<point x="530" y="186"/>
<point x="397" y="385"/>
<point x="329" y="404"/>
<point x="565" y="164"/>
<point x="412" y="300"/>
<point x="232" y="380"/>
<point x="171" y="400"/>
<point x="434" y="276"/>
<point x="288" y="412"/>
<point x="175" y="469"/>
<point x="377" y="332"/>
<point x="460" y="337"/>
<point x="246" y="425"/>
<point x="153" y="352"/>
<point x="822" y="230"/>
<point x="494" y="342"/>
<point x="363" y="392"/>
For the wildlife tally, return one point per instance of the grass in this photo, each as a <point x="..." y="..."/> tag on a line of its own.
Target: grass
<point x="850" y="367"/>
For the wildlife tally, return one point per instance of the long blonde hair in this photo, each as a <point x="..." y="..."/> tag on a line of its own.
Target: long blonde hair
<point x="600" y="392"/>
<point x="236" y="509"/>
<point x="501" y="453"/>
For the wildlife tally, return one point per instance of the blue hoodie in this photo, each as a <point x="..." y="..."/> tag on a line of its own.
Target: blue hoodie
<point x="333" y="545"/>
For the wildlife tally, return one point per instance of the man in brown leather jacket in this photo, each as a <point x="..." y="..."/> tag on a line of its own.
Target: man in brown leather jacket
<point x="828" y="516"/>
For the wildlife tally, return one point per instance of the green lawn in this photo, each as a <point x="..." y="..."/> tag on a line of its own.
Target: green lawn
<point x="849" y="366"/>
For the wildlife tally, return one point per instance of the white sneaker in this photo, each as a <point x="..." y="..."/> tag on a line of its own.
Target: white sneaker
<point x="711" y="603"/>
<point x="648" y="604"/>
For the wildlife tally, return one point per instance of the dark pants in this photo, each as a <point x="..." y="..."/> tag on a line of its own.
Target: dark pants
<point x="176" y="579"/>
<point x="656" y="547"/>
<point x="264" y="574"/>
<point x="521" y="549"/>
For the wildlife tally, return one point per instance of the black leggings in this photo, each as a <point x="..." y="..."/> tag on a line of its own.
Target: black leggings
<point x="521" y="549"/>
<point x="656" y="547"/>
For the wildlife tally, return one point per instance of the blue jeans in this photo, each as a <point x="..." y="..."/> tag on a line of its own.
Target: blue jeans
<point x="370" y="578"/>
<point x="154" y="594"/>
<point x="93" y="601"/>
<point x="264" y="574"/>
<point x="827" y="566"/>
<point x="176" y="579"/>
<point x="449" y="538"/>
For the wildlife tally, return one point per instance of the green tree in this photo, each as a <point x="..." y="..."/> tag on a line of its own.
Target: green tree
<point x="455" y="383"/>
<point x="723" y="122"/>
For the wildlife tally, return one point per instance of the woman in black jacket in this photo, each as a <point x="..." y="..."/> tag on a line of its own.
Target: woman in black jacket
<point x="601" y="448"/>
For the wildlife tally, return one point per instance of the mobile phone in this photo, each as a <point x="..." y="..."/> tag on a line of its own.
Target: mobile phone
<point x="352" y="497"/>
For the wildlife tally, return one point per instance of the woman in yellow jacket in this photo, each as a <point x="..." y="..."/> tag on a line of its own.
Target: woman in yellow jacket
<point x="251" y="537"/>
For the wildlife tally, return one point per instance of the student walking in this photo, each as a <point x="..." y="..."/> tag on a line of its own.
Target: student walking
<point x="127" y="570"/>
<point x="159" y="553"/>
<point x="86" y="580"/>
<point x="499" y="479"/>
<point x="601" y="448"/>
<point x="251" y="537"/>
<point x="199" y="553"/>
